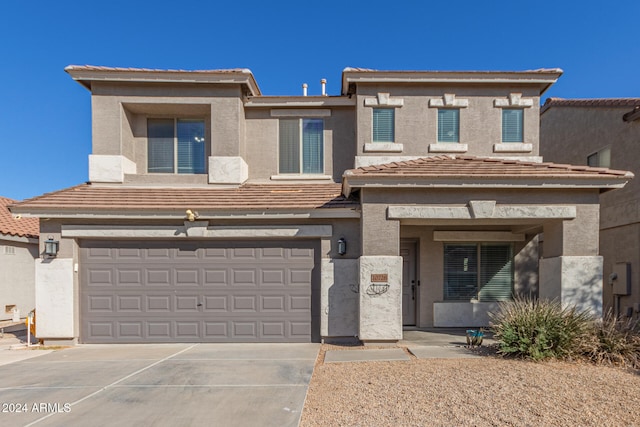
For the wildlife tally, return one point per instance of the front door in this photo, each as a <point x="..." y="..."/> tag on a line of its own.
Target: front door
<point x="409" y="282"/>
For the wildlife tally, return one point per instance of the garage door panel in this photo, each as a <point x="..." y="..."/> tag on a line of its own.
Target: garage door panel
<point x="131" y="303"/>
<point x="159" y="303"/>
<point x="196" y="292"/>
<point x="100" y="303"/>
<point x="99" y="277"/>
<point x="274" y="303"/>
<point x="243" y="277"/>
<point x="129" y="277"/>
<point x="158" y="331"/>
<point x="299" y="276"/>
<point x="186" y="277"/>
<point x="215" y="253"/>
<point x="130" y="329"/>
<point x="158" y="276"/>
<point x="215" y="277"/>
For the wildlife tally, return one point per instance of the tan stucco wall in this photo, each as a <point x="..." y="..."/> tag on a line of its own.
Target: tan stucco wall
<point x="120" y="112"/>
<point x="345" y="228"/>
<point x="262" y="143"/>
<point x="575" y="237"/>
<point x="416" y="123"/>
<point x="17" y="277"/>
<point x="569" y="135"/>
<point x="430" y="268"/>
<point x="569" y="237"/>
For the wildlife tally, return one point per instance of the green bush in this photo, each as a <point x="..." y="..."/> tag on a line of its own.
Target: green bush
<point x="614" y="342"/>
<point x="539" y="329"/>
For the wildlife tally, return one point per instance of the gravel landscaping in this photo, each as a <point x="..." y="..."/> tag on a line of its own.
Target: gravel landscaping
<point x="484" y="391"/>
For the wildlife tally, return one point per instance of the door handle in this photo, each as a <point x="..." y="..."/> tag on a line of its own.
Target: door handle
<point x="413" y="292"/>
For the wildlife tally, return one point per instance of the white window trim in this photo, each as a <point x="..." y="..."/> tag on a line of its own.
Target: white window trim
<point x="315" y="113"/>
<point x="448" y="147"/>
<point x="448" y="100"/>
<point x="383" y="147"/>
<point x="514" y="100"/>
<point x="384" y="100"/>
<point x="301" y="177"/>
<point x="512" y="147"/>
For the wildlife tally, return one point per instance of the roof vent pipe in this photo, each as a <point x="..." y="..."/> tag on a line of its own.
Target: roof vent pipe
<point x="304" y="89"/>
<point x="323" y="82"/>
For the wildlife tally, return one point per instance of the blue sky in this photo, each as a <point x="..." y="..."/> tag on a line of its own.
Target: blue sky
<point x="45" y="116"/>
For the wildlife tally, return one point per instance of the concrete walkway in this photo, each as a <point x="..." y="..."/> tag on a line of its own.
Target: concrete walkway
<point x="435" y="343"/>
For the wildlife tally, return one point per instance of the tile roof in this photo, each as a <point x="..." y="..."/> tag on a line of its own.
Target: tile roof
<point x="154" y="70"/>
<point x="372" y="70"/>
<point x="16" y="226"/>
<point x="87" y="197"/>
<point x="480" y="168"/>
<point x="589" y="102"/>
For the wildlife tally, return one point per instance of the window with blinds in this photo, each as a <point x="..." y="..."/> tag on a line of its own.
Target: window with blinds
<point x="512" y="123"/>
<point x="478" y="271"/>
<point x="448" y="125"/>
<point x="301" y="146"/>
<point x="600" y="159"/>
<point x="175" y="145"/>
<point x="384" y="125"/>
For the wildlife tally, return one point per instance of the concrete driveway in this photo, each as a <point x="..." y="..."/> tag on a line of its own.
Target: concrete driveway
<point x="159" y="385"/>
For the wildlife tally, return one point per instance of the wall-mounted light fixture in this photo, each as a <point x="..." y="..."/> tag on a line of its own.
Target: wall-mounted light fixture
<point x="342" y="246"/>
<point x="51" y="247"/>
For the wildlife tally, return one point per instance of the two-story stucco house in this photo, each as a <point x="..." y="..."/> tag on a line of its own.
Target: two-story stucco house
<point x="604" y="132"/>
<point x="217" y="214"/>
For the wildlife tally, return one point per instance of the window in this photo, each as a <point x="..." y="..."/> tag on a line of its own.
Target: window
<point x="600" y="159"/>
<point x="384" y="125"/>
<point x="175" y="145"/>
<point x="478" y="271"/>
<point x="301" y="146"/>
<point x="512" y="120"/>
<point x="9" y="250"/>
<point x="448" y="125"/>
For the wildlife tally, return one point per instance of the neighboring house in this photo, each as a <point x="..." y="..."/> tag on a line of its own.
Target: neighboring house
<point x="604" y="133"/>
<point x="18" y="252"/>
<point x="217" y="214"/>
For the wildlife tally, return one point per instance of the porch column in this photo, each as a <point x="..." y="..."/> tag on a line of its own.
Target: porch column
<point x="380" y="289"/>
<point x="571" y="269"/>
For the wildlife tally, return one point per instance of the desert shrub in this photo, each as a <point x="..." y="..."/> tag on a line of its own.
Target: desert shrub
<point x="613" y="342"/>
<point x="539" y="329"/>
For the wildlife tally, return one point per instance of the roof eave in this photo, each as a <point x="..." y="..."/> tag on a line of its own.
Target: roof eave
<point x="86" y="76"/>
<point x="204" y="214"/>
<point x="354" y="181"/>
<point x="542" y="78"/>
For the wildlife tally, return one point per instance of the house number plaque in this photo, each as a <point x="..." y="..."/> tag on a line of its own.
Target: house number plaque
<point x="379" y="277"/>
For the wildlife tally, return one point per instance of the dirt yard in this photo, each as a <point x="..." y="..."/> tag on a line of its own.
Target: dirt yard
<point x="486" y="391"/>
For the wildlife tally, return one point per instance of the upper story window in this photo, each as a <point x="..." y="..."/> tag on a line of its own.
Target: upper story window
<point x="448" y="125"/>
<point x="512" y="124"/>
<point x="383" y="125"/>
<point x="301" y="146"/>
<point x="175" y="145"/>
<point x="600" y="159"/>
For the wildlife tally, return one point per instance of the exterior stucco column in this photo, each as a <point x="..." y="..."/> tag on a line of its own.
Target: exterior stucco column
<point x="380" y="288"/>
<point x="571" y="269"/>
<point x="380" y="298"/>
